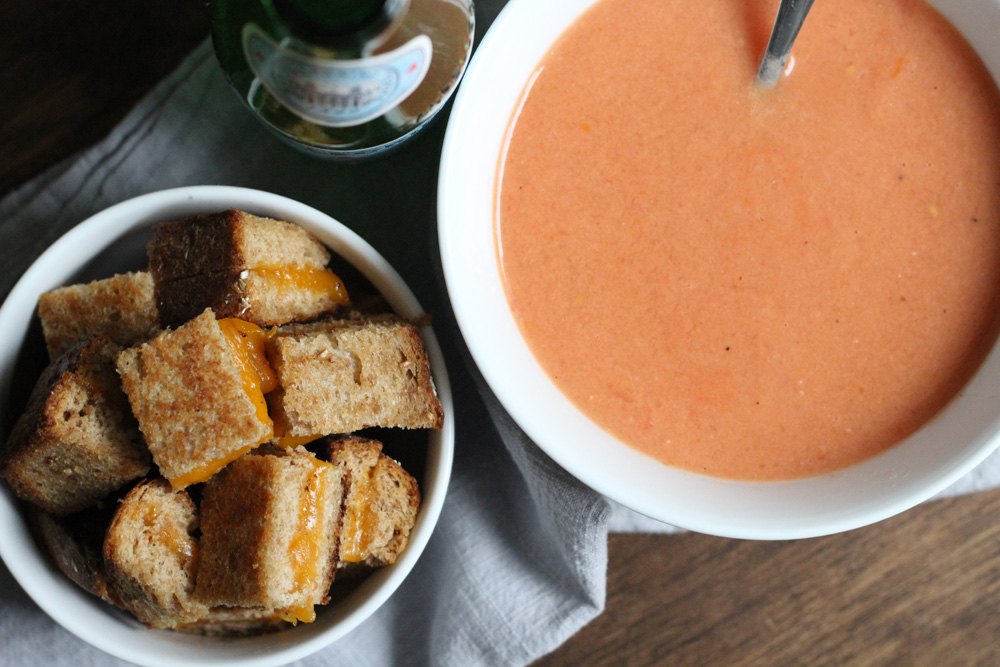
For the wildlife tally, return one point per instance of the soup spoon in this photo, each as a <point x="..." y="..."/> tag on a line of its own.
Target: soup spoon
<point x="791" y="15"/>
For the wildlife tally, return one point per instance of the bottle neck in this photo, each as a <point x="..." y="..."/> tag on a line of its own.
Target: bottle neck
<point x="335" y="21"/>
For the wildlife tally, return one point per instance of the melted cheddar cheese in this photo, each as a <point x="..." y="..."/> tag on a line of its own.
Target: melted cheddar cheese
<point x="168" y="535"/>
<point x="246" y="342"/>
<point x="205" y="471"/>
<point x="301" y="278"/>
<point x="305" y="547"/>
<point x="359" y="520"/>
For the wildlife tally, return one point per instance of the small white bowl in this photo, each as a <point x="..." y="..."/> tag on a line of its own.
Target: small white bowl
<point x="84" y="251"/>
<point x="947" y="448"/>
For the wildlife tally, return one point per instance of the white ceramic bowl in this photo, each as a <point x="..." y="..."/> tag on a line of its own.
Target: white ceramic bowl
<point x="947" y="448"/>
<point x="124" y="228"/>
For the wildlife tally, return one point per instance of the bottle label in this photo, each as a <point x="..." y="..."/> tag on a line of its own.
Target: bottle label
<point x="337" y="93"/>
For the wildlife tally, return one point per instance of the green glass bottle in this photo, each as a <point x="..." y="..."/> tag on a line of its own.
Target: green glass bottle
<point x="343" y="78"/>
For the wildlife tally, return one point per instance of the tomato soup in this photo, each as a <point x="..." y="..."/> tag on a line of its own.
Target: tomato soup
<point x="755" y="284"/>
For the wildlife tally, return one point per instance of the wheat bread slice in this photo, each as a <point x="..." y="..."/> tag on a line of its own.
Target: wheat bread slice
<point x="122" y="308"/>
<point x="77" y="441"/>
<point x="187" y="392"/>
<point x="269" y="533"/>
<point x="341" y="376"/>
<point x="381" y="504"/>
<point x="231" y="261"/>
<point x="151" y="555"/>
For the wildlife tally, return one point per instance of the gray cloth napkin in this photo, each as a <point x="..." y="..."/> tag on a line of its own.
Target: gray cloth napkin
<point x="517" y="563"/>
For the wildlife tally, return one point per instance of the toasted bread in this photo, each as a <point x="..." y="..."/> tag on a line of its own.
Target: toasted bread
<point x="187" y="391"/>
<point x="151" y="555"/>
<point x="76" y="441"/>
<point x="269" y="533"/>
<point x="121" y="308"/>
<point x="75" y="545"/>
<point x="235" y="622"/>
<point x="340" y="376"/>
<point x="258" y="269"/>
<point x="380" y="506"/>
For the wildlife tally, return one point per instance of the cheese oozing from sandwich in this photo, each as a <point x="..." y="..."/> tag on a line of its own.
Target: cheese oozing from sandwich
<point x="293" y="441"/>
<point x="167" y="535"/>
<point x="309" y="279"/>
<point x="204" y="472"/>
<point x="359" y="520"/>
<point x="306" y="544"/>
<point x="246" y="342"/>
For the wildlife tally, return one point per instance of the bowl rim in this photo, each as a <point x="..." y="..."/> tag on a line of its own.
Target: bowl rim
<point x="114" y="631"/>
<point x="846" y="499"/>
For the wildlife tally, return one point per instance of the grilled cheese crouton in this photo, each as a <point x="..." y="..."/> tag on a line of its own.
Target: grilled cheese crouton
<point x="76" y="441"/>
<point x="269" y="534"/>
<point x="121" y="308"/>
<point x="380" y="506"/>
<point x="240" y="265"/>
<point x="341" y="376"/>
<point x="151" y="555"/>
<point x="193" y="401"/>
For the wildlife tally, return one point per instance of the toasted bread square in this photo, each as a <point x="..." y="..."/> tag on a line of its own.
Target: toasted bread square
<point x="341" y="376"/>
<point x="121" y="308"/>
<point x="269" y="533"/>
<point x="151" y="555"/>
<point x="76" y="441"/>
<point x="234" y="262"/>
<point x="380" y="506"/>
<point x="186" y="389"/>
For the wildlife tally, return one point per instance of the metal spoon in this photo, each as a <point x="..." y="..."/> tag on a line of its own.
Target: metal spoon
<point x="791" y="14"/>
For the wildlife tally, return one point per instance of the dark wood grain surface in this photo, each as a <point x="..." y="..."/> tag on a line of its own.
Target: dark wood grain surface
<point x="922" y="588"/>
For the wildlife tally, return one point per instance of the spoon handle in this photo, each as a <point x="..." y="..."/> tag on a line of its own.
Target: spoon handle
<point x="791" y="15"/>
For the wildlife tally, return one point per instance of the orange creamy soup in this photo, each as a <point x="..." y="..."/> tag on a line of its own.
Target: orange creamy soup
<point x="755" y="284"/>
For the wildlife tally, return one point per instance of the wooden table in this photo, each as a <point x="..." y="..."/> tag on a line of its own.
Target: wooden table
<point x="919" y="589"/>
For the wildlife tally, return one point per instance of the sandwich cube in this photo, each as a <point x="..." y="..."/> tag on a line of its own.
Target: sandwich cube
<point x="380" y="505"/>
<point x="258" y="269"/>
<point x="76" y="441"/>
<point x="121" y="308"/>
<point x="269" y="534"/>
<point x="188" y="392"/>
<point x="340" y="376"/>
<point x="151" y="555"/>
